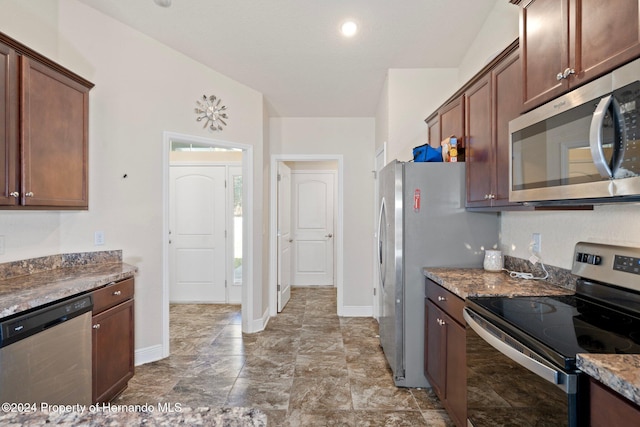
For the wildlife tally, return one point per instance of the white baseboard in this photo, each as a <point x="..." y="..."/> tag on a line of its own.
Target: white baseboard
<point x="148" y="355"/>
<point x="356" y="311"/>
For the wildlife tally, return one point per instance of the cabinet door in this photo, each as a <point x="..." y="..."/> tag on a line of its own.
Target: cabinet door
<point x="456" y="368"/>
<point x="603" y="35"/>
<point x="436" y="342"/>
<point x="113" y="357"/>
<point x="8" y="126"/>
<point x="609" y="409"/>
<point x="451" y="118"/>
<point x="434" y="132"/>
<point x="54" y="135"/>
<point x="544" y="49"/>
<point x="506" y="81"/>
<point x="479" y="151"/>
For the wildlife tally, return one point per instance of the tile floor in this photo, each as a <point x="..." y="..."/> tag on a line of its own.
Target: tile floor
<point x="309" y="367"/>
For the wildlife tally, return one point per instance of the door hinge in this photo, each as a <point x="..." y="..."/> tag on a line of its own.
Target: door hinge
<point x="225" y="183"/>
<point x="225" y="283"/>
<point x="225" y="234"/>
<point x="279" y="177"/>
<point x="278" y="288"/>
<point x="374" y="292"/>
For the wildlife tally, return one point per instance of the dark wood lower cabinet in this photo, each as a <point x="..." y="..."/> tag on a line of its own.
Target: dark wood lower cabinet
<point x="113" y="340"/>
<point x="445" y="350"/>
<point x="609" y="409"/>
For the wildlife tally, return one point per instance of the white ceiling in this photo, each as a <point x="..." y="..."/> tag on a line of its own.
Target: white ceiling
<point x="291" y="50"/>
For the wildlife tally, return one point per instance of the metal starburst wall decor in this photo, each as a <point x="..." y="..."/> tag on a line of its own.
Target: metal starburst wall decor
<point x="213" y="114"/>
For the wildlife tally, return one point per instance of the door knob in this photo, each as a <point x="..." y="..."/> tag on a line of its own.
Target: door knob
<point x="328" y="235"/>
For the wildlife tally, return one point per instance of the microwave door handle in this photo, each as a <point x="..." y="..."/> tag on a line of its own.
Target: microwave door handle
<point x="559" y="378"/>
<point x="595" y="137"/>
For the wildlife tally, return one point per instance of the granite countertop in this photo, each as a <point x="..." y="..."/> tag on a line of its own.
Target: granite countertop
<point x="476" y="282"/>
<point x="35" y="282"/>
<point x="620" y="372"/>
<point x="121" y="415"/>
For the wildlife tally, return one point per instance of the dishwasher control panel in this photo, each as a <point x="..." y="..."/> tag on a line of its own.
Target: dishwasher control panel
<point x="36" y="320"/>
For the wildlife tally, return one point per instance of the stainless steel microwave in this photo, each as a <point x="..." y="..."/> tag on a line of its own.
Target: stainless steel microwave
<point x="583" y="147"/>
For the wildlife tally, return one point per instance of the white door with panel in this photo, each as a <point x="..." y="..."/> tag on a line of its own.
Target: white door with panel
<point x="197" y="222"/>
<point x="285" y="238"/>
<point x="313" y="228"/>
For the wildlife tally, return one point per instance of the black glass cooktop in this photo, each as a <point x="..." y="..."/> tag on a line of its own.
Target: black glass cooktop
<point x="562" y="326"/>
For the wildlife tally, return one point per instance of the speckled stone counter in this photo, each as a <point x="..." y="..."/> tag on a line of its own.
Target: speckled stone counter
<point x="619" y="372"/>
<point x="475" y="282"/>
<point x="227" y="417"/>
<point x="35" y="282"/>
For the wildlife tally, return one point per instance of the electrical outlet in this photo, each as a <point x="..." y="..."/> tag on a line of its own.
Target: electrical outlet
<point x="536" y="243"/>
<point x="98" y="238"/>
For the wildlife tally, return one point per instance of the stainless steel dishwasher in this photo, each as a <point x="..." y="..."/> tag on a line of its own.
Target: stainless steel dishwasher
<point x="45" y="354"/>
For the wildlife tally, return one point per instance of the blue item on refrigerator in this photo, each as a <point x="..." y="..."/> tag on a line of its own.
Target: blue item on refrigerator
<point x="426" y="153"/>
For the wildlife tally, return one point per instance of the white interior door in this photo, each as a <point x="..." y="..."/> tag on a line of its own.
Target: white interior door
<point x="197" y="252"/>
<point x="285" y="237"/>
<point x="313" y="228"/>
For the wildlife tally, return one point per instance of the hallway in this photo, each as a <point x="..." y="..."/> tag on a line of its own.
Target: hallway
<point x="308" y="368"/>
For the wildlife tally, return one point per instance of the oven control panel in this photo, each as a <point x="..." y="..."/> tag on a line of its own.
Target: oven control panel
<point x="612" y="264"/>
<point x="626" y="263"/>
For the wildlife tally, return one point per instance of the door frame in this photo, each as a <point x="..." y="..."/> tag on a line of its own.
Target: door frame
<point x="380" y="153"/>
<point x="273" y="225"/>
<point x="247" y="228"/>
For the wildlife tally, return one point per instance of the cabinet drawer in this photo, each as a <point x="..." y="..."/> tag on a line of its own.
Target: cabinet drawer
<point x="445" y="300"/>
<point x="112" y="294"/>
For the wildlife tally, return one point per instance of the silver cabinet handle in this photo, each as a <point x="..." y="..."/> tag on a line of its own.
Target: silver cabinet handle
<point x="565" y="74"/>
<point x="96" y="326"/>
<point x="29" y="194"/>
<point x="117" y="292"/>
<point x="14" y="194"/>
<point x="440" y="298"/>
<point x="441" y="322"/>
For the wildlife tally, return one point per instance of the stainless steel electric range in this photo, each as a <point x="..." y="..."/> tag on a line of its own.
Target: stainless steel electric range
<point x="521" y="351"/>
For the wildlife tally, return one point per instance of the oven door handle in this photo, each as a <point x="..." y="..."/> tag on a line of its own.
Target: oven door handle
<point x="567" y="382"/>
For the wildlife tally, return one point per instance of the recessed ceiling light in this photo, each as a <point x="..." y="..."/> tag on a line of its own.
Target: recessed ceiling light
<point x="349" y="29"/>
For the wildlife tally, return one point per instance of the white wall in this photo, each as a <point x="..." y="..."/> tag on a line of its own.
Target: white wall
<point x="142" y="88"/>
<point x="560" y="231"/>
<point x="354" y="139"/>
<point x="413" y="95"/>
<point x="500" y="29"/>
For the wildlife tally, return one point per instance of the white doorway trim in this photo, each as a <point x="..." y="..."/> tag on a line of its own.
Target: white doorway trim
<point x="273" y="225"/>
<point x="247" y="227"/>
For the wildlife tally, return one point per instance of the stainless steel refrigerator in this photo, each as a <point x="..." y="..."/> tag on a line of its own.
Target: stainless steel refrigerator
<point x="422" y="223"/>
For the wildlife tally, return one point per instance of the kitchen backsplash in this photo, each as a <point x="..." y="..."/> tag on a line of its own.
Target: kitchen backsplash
<point x="557" y="276"/>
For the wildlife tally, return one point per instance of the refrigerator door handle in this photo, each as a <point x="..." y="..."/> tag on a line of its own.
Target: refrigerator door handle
<point x="380" y="241"/>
